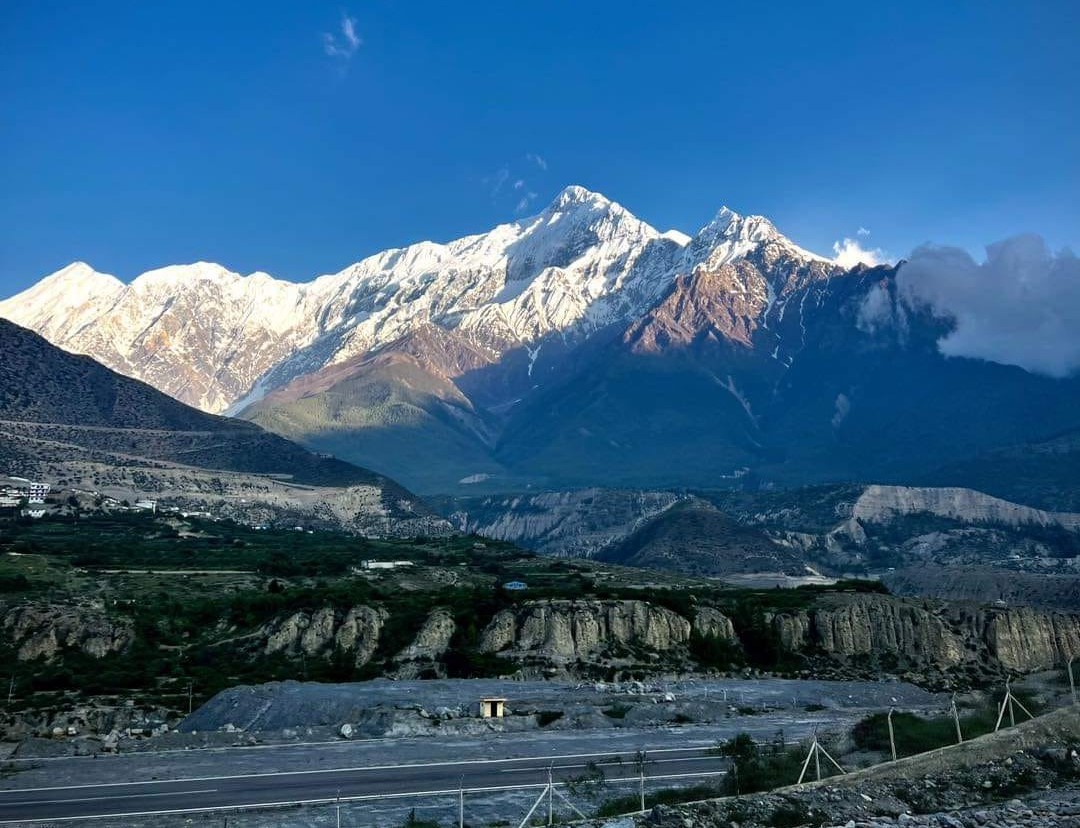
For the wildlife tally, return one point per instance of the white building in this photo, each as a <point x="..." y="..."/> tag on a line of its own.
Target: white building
<point x="36" y="492"/>
<point x="384" y="564"/>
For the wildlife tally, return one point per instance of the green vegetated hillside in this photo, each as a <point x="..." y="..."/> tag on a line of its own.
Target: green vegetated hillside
<point x="134" y="603"/>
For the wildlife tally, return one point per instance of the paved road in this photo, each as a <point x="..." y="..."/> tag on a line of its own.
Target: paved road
<point x="50" y="804"/>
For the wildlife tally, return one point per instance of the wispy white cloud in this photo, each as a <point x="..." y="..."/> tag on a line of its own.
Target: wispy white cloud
<point x="850" y="252"/>
<point x="525" y="202"/>
<point x="496" y="181"/>
<point x="515" y="181"/>
<point x="343" y="44"/>
<point x="862" y="231"/>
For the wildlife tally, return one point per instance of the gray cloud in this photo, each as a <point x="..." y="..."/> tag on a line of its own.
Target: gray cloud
<point x="1019" y="307"/>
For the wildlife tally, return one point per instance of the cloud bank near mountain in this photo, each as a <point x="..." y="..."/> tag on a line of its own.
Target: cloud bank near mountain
<point x="1019" y="307"/>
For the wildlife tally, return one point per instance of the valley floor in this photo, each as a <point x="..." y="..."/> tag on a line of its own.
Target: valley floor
<point x="511" y="761"/>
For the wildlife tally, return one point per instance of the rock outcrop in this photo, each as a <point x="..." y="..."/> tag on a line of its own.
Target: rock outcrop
<point x="325" y="630"/>
<point x="712" y="623"/>
<point x="568" y="630"/>
<point x="1024" y="640"/>
<point x="931" y="634"/>
<point x="433" y="638"/>
<point x="44" y="630"/>
<point x="881" y="504"/>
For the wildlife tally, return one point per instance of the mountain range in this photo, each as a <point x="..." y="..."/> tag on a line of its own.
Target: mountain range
<point x="577" y="347"/>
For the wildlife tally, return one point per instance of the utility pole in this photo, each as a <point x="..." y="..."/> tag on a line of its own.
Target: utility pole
<point x="1068" y="668"/>
<point x="460" y="803"/>
<point x="190" y="690"/>
<point x="892" y="738"/>
<point x="11" y="690"/>
<point x="339" y="808"/>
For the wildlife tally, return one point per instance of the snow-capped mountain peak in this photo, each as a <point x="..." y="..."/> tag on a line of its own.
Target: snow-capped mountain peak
<point x="576" y="194"/>
<point x="210" y="336"/>
<point x="63" y="301"/>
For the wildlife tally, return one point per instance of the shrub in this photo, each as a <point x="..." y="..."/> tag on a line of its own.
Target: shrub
<point x="761" y="768"/>
<point x="715" y="651"/>
<point x="667" y="796"/>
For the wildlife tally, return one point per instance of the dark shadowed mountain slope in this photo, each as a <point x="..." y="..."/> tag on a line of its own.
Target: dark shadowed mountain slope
<point x="1044" y="473"/>
<point x="74" y="400"/>
<point x="697" y="538"/>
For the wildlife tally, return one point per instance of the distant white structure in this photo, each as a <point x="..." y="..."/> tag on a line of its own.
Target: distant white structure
<point x="384" y="564"/>
<point x="147" y="505"/>
<point x="34" y="513"/>
<point x="492" y="708"/>
<point x="32" y="490"/>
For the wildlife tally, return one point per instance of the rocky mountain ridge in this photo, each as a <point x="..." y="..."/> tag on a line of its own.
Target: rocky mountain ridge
<point x="219" y="340"/>
<point x="827" y="529"/>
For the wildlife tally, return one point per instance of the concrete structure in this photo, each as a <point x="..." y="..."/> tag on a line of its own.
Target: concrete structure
<point x="492" y="708"/>
<point x="384" y="564"/>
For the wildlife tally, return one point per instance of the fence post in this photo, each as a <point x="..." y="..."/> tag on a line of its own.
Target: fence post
<point x="956" y="720"/>
<point x="892" y="739"/>
<point x="551" y="812"/>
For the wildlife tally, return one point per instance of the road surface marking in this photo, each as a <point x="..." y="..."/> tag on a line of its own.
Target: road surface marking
<point x="105" y="798"/>
<point x="332" y="800"/>
<point x="607" y="754"/>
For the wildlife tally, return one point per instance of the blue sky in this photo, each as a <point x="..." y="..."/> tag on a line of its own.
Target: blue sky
<point x="139" y="134"/>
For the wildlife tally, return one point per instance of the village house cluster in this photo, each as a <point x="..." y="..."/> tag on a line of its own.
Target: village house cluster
<point x="19" y="496"/>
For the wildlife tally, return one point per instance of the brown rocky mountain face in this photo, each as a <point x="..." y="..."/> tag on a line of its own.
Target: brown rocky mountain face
<point x="701" y="305"/>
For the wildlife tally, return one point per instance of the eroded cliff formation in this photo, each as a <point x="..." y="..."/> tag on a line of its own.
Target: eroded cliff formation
<point x="861" y="631"/>
<point x="569" y="630"/>
<point x="325" y="630"/>
<point x="43" y="630"/>
<point x="931" y="634"/>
